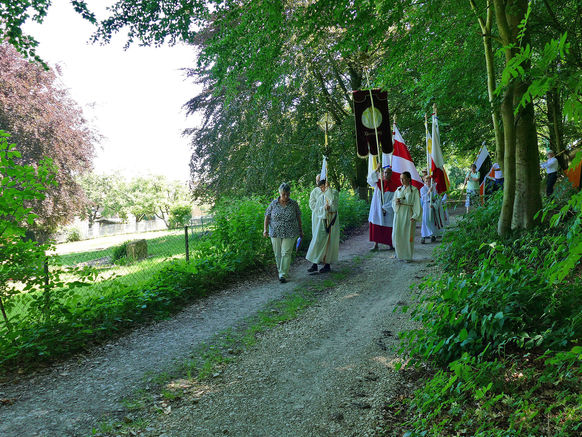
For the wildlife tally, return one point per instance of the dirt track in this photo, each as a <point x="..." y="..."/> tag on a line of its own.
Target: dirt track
<point x="326" y="373"/>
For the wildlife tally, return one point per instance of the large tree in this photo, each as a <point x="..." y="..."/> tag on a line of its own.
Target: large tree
<point x="155" y="196"/>
<point x="106" y="196"/>
<point x="525" y="33"/>
<point x="45" y="122"/>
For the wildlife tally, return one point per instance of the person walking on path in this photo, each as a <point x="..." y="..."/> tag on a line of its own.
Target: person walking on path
<point x="551" y="166"/>
<point x="381" y="213"/>
<point x="472" y="183"/>
<point x="428" y="229"/>
<point x="407" y="211"/>
<point x="283" y="224"/>
<point x="324" y="246"/>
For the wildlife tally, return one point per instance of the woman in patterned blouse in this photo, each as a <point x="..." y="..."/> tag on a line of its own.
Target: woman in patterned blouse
<point x="283" y="225"/>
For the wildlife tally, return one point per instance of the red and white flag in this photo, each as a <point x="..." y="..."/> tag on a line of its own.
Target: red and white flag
<point x="402" y="161"/>
<point x="437" y="163"/>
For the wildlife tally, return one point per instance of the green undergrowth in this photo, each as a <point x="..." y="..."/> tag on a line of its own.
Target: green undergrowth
<point x="500" y="329"/>
<point x="71" y="314"/>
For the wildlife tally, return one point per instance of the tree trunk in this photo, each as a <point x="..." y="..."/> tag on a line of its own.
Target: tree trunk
<point x="4" y="315"/>
<point x="505" y="217"/>
<point x="486" y="26"/>
<point x="527" y="194"/>
<point x="521" y="195"/>
<point x="555" y="126"/>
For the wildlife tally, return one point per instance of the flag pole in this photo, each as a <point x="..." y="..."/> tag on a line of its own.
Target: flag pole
<point x="431" y="214"/>
<point x="377" y="141"/>
<point x="426" y="141"/>
<point x="393" y="132"/>
<point x="326" y="132"/>
<point x="434" y="110"/>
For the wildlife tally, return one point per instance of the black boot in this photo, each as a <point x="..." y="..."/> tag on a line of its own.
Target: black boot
<point x="326" y="268"/>
<point x="313" y="268"/>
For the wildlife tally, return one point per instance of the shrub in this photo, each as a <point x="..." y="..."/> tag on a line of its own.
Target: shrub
<point x="73" y="234"/>
<point x="180" y="215"/>
<point x="238" y="230"/>
<point x="119" y="252"/>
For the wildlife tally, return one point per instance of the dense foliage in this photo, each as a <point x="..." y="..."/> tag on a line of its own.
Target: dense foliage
<point x="502" y="328"/>
<point x="21" y="259"/>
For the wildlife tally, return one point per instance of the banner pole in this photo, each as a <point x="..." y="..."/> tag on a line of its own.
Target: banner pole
<point x="426" y="141"/>
<point x="379" y="149"/>
<point x="393" y="132"/>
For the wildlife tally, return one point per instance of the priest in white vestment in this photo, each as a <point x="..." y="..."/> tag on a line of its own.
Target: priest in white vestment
<point x="324" y="246"/>
<point x="407" y="212"/>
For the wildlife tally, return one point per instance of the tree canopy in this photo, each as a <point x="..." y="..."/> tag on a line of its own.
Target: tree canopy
<point x="45" y="122"/>
<point x="270" y="69"/>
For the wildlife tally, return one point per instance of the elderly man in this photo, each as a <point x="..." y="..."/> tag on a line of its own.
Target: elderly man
<point x="551" y="166"/>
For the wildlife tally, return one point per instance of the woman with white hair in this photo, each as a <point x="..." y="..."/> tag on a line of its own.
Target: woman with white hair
<point x="283" y="225"/>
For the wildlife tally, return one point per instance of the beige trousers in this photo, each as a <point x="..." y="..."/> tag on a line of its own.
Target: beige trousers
<point x="283" y="248"/>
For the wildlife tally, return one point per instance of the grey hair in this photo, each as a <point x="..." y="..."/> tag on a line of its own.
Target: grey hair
<point x="284" y="187"/>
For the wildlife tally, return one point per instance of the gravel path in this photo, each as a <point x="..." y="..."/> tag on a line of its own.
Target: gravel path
<point x="326" y="373"/>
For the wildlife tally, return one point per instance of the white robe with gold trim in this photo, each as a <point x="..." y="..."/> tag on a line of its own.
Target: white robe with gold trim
<point x="324" y="246"/>
<point x="403" y="229"/>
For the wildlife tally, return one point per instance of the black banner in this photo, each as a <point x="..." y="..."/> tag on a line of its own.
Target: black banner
<point x="366" y="119"/>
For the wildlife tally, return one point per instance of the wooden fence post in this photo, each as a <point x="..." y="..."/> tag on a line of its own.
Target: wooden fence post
<point x="187" y="246"/>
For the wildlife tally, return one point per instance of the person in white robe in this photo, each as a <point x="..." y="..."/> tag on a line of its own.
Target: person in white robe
<point x="315" y="194"/>
<point x="324" y="246"/>
<point x="381" y="213"/>
<point x="407" y="212"/>
<point x="428" y="228"/>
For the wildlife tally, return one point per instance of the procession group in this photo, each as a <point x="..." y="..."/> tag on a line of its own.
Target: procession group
<point x="396" y="208"/>
<point x="394" y="212"/>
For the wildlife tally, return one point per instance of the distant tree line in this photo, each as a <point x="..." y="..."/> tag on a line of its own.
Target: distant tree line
<point x="144" y="197"/>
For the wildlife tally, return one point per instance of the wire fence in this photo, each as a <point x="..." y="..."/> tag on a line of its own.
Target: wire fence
<point x="115" y="263"/>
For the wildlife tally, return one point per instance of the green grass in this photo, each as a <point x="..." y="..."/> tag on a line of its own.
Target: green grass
<point x="112" y="277"/>
<point x="164" y="246"/>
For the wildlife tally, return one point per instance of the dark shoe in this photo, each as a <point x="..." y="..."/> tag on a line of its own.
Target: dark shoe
<point x="325" y="269"/>
<point x="422" y="240"/>
<point x="282" y="279"/>
<point x="313" y="268"/>
<point x="432" y="239"/>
